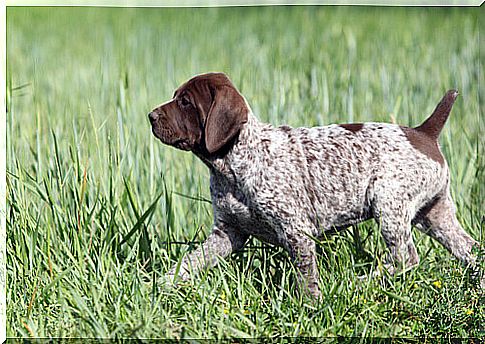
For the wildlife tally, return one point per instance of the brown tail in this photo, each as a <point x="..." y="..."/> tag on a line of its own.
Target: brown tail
<point x="434" y="124"/>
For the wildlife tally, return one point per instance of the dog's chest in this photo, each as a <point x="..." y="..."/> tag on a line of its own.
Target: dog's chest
<point x="234" y="208"/>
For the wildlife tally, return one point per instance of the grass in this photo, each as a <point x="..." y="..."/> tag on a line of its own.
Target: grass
<point x="96" y="206"/>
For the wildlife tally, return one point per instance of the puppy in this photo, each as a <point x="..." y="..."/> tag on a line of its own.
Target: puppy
<point x="288" y="185"/>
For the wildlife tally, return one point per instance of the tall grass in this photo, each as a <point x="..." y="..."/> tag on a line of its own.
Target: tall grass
<point x="96" y="207"/>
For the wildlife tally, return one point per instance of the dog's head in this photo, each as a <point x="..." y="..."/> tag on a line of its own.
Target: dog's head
<point x="204" y="115"/>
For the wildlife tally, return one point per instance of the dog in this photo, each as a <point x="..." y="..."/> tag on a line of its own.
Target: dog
<point x="287" y="186"/>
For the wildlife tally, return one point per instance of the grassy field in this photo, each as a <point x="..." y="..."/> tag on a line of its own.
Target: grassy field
<point x="96" y="206"/>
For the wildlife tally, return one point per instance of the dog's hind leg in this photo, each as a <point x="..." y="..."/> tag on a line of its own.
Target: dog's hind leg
<point x="438" y="220"/>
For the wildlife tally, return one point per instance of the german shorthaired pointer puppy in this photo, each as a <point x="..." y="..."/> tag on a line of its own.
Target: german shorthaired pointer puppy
<point x="288" y="185"/>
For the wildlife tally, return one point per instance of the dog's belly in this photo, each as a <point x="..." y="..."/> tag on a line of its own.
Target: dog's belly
<point x="340" y="198"/>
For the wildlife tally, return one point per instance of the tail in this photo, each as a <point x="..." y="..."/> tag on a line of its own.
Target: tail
<point x="434" y="124"/>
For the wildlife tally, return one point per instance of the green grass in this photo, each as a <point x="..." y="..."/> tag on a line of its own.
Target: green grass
<point x="94" y="202"/>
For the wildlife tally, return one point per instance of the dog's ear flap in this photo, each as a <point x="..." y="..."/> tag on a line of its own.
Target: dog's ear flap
<point x="226" y="117"/>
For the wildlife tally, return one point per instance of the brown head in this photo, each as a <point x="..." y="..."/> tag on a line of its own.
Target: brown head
<point x="205" y="114"/>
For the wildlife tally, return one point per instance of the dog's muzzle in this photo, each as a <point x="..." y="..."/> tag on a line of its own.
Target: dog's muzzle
<point x="153" y="117"/>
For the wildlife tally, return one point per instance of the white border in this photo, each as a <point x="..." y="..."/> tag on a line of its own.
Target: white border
<point x="141" y="3"/>
<point x="211" y="3"/>
<point x="3" y="200"/>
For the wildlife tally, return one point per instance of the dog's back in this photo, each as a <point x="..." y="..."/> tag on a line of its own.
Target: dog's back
<point x="348" y="168"/>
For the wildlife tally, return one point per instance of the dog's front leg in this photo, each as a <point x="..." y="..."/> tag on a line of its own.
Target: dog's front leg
<point x="303" y="254"/>
<point x="221" y="242"/>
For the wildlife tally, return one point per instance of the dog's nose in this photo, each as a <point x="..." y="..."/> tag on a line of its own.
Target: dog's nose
<point x="152" y="116"/>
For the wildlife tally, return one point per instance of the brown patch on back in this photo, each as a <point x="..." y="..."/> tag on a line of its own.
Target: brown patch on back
<point x="423" y="143"/>
<point x="353" y="127"/>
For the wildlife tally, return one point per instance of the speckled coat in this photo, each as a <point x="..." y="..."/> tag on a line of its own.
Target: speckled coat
<point x="287" y="185"/>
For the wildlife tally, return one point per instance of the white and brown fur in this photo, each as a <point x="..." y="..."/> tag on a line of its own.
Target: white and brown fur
<point x="288" y="185"/>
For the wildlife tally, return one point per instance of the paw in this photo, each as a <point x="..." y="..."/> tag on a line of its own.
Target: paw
<point x="175" y="277"/>
<point x="172" y="280"/>
<point x="477" y="270"/>
<point x="315" y="293"/>
<point x="379" y="271"/>
<point x="312" y="291"/>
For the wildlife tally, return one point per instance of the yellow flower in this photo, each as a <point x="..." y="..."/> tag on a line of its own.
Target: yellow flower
<point x="246" y="312"/>
<point x="223" y="295"/>
<point x="437" y="284"/>
<point x="469" y="311"/>
<point x="226" y="311"/>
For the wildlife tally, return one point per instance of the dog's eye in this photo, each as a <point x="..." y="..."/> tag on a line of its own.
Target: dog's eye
<point x="184" y="101"/>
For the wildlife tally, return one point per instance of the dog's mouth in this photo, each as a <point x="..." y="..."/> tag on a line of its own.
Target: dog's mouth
<point x="162" y="133"/>
<point x="166" y="136"/>
<point x="181" y="144"/>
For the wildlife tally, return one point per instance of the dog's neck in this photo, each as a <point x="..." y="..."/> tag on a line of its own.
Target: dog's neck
<point x="240" y="150"/>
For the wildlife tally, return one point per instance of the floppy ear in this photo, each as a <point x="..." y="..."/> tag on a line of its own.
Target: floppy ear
<point x="226" y="117"/>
